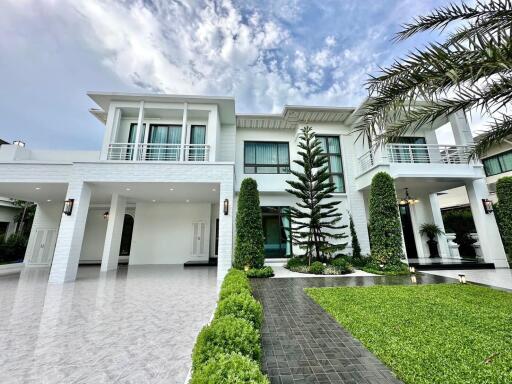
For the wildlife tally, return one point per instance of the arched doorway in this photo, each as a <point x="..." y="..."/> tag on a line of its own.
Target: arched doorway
<point x="126" y="236"/>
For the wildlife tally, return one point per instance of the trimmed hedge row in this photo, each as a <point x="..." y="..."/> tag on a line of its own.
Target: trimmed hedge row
<point x="228" y="350"/>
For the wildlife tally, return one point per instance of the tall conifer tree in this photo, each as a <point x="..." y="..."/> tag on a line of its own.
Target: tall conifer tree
<point x="315" y="219"/>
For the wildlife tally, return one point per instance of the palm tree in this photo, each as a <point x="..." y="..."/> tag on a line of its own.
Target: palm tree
<point x="471" y="70"/>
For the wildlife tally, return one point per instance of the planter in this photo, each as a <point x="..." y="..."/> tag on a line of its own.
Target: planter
<point x="432" y="248"/>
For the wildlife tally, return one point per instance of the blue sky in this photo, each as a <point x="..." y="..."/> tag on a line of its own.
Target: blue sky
<point x="264" y="53"/>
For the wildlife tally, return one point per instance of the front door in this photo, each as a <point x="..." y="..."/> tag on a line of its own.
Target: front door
<point x="44" y="245"/>
<point x="199" y="240"/>
<point x="277" y="242"/>
<point x="408" y="231"/>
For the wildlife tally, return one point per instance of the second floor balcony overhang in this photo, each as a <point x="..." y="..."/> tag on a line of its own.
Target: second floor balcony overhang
<point x="435" y="162"/>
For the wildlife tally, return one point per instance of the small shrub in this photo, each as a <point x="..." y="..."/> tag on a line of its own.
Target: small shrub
<point x="241" y="306"/>
<point x="296" y="262"/>
<point x="316" y="268"/>
<point x="229" y="368"/>
<point x="235" y="282"/>
<point x="341" y="265"/>
<point x="356" y="248"/>
<point x="260" y="272"/>
<point x="226" y="335"/>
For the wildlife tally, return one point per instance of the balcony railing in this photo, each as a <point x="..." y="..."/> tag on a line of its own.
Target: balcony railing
<point x="416" y="154"/>
<point x="158" y="152"/>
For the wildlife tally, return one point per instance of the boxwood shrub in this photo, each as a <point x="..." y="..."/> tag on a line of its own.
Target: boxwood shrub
<point x="234" y="283"/>
<point x="260" y="272"/>
<point x="242" y="306"/>
<point x="229" y="368"/>
<point x="316" y="268"/>
<point x="226" y="335"/>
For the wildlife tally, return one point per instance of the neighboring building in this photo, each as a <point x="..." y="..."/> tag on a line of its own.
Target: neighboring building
<point x="497" y="163"/>
<point x="174" y="165"/>
<point x="8" y="213"/>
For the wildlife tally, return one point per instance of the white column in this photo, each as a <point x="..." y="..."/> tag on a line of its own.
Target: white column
<point x="444" y="250"/>
<point x="140" y="123"/>
<point x="460" y="128"/>
<point x="225" y="230"/>
<point x="71" y="234"/>
<point x="184" y="132"/>
<point x="487" y="229"/>
<point x="114" y="231"/>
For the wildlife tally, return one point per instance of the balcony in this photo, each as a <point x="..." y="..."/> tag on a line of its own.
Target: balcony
<point x="413" y="162"/>
<point x="158" y="152"/>
<point x="416" y="154"/>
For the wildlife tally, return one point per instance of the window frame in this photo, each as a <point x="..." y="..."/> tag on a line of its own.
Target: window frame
<point x="497" y="157"/>
<point x="278" y="166"/>
<point x="328" y="155"/>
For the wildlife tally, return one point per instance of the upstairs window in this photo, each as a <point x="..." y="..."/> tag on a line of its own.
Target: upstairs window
<point x="332" y="149"/>
<point x="266" y="157"/>
<point x="498" y="164"/>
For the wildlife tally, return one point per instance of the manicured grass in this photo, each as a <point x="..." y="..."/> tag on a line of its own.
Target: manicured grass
<point x="446" y="333"/>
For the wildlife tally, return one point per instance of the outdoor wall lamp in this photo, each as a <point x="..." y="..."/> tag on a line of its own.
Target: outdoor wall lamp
<point x="226" y="207"/>
<point x="462" y="278"/>
<point x="68" y="206"/>
<point x="18" y="143"/>
<point x="105" y="215"/>
<point x="488" y="208"/>
<point x="412" y="269"/>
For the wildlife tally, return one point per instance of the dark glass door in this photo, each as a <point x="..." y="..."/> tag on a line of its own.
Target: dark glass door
<point x="277" y="242"/>
<point x="410" y="243"/>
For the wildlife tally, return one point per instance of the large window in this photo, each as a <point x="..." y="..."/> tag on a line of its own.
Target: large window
<point x="498" y="164"/>
<point x="266" y="157"/>
<point x="332" y="149"/>
<point x="410" y="154"/>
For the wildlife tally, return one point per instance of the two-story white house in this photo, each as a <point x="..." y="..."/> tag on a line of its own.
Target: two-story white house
<point x="162" y="188"/>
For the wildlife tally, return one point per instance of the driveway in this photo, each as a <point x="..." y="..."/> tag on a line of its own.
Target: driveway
<point x="134" y="325"/>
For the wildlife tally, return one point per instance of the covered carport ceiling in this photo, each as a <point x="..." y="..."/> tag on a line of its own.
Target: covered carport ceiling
<point x="36" y="192"/>
<point x="160" y="192"/>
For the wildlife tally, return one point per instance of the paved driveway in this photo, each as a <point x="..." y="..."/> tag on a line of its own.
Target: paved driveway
<point x="136" y="325"/>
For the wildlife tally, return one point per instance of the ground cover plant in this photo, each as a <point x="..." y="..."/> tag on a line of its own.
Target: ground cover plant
<point x="339" y="265"/>
<point x="445" y="333"/>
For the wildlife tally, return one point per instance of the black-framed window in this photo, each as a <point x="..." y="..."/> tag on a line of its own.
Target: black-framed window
<point x="332" y="149"/>
<point x="497" y="164"/>
<point x="266" y="157"/>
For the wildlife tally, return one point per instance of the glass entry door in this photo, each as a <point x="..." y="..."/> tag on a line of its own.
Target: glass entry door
<point x="197" y="139"/>
<point x="276" y="232"/>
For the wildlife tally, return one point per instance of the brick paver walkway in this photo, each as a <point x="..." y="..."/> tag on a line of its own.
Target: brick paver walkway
<point x="304" y="344"/>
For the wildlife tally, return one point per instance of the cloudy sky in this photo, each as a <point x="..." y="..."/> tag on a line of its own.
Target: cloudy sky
<point x="265" y="53"/>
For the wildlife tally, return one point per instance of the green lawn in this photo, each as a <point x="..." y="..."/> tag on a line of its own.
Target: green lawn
<point x="446" y="333"/>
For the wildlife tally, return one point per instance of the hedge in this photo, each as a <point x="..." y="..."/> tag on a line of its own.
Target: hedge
<point x="229" y="368"/>
<point x="243" y="306"/>
<point x="228" y="350"/>
<point x="384" y="222"/>
<point x="249" y="244"/>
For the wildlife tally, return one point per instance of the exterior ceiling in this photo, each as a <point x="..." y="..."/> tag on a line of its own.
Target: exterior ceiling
<point x="293" y="115"/>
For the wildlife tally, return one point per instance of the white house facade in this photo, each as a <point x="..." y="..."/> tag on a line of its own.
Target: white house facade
<point x="162" y="188"/>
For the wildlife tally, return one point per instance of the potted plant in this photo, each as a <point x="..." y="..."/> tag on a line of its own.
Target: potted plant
<point x="431" y="231"/>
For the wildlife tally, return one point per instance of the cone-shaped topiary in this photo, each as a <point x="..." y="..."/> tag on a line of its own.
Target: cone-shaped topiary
<point x="504" y="193"/>
<point x="384" y="224"/>
<point x="249" y="249"/>
<point x="356" y="248"/>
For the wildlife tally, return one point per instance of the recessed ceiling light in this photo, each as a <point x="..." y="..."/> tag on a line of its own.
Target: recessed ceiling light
<point x="153" y="201"/>
<point x="48" y="201"/>
<point x="188" y="201"/>
<point x="213" y="189"/>
<point x="128" y="189"/>
<point x="38" y="188"/>
<point x="171" y="189"/>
